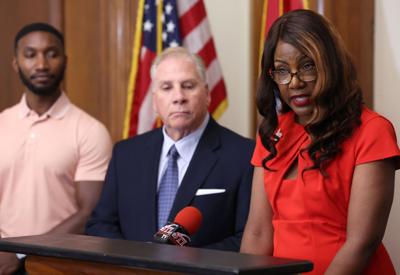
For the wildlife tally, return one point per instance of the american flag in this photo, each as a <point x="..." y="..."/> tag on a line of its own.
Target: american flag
<point x="162" y="24"/>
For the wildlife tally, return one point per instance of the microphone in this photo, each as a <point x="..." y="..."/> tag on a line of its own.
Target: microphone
<point x="186" y="223"/>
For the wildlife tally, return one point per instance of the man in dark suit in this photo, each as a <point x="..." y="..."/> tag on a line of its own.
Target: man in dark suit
<point x="213" y="171"/>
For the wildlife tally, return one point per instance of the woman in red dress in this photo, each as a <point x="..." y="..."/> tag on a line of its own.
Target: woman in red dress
<point x="324" y="163"/>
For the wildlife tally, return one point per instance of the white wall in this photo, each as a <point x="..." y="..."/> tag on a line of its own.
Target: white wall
<point x="230" y="25"/>
<point x="387" y="98"/>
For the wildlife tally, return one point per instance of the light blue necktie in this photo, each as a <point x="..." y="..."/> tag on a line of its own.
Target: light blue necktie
<point x="168" y="187"/>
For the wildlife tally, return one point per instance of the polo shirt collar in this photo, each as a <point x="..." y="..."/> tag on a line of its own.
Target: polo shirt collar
<point x="57" y="111"/>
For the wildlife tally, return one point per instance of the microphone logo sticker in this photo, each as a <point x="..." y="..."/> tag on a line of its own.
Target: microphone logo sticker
<point x="166" y="231"/>
<point x="180" y="239"/>
<point x="169" y="228"/>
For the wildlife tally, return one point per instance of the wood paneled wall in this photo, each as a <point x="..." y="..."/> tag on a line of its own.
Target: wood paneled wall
<point x="99" y="37"/>
<point x="355" y="22"/>
<point x="13" y="15"/>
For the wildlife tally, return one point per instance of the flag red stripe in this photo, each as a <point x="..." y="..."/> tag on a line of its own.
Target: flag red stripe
<point x="141" y="87"/>
<point x="217" y="95"/>
<point x="208" y="53"/>
<point x="292" y="5"/>
<point x="192" y="18"/>
<point x="273" y="13"/>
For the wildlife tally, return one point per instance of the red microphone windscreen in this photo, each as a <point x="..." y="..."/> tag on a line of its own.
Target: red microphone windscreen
<point x="189" y="218"/>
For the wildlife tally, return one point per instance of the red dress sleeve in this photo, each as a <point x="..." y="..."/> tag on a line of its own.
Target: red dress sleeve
<point x="376" y="141"/>
<point x="259" y="153"/>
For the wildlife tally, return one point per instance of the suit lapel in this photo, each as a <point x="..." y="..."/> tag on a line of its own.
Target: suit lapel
<point x="203" y="160"/>
<point x="151" y="160"/>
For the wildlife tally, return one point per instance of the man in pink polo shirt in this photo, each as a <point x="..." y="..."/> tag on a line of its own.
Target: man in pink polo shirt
<point x="53" y="155"/>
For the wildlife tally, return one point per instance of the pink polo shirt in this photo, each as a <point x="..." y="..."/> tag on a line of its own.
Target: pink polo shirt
<point x="41" y="159"/>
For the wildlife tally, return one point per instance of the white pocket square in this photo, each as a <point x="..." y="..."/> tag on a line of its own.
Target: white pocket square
<point x="201" y="192"/>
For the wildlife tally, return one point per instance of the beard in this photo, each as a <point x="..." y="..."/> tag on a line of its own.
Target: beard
<point x="45" y="90"/>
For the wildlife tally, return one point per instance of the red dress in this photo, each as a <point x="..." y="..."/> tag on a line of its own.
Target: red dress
<point x="310" y="212"/>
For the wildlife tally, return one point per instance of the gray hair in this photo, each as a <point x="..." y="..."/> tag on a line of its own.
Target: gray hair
<point x="179" y="51"/>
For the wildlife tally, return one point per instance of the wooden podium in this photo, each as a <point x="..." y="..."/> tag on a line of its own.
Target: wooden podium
<point x="79" y="254"/>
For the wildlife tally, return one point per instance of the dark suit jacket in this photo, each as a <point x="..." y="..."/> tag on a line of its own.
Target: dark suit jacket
<point x="127" y="208"/>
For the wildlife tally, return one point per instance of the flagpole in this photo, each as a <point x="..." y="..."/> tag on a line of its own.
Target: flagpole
<point x="306" y="5"/>
<point x="262" y="32"/>
<point x="134" y="68"/>
<point x="160" y="6"/>
<point x="281" y="7"/>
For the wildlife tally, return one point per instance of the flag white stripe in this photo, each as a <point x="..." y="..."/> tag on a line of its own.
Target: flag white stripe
<point x="185" y="5"/>
<point x="147" y="116"/>
<point x="214" y="74"/>
<point x="198" y="37"/>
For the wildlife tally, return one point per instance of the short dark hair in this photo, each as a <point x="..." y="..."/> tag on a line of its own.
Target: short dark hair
<point x="38" y="26"/>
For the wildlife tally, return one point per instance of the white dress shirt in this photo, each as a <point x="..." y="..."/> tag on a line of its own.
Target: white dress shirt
<point x="185" y="147"/>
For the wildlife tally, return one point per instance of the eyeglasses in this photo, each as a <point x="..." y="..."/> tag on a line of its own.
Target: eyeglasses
<point x="306" y="73"/>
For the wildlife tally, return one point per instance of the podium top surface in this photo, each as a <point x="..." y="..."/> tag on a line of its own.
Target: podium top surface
<point x="151" y="255"/>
